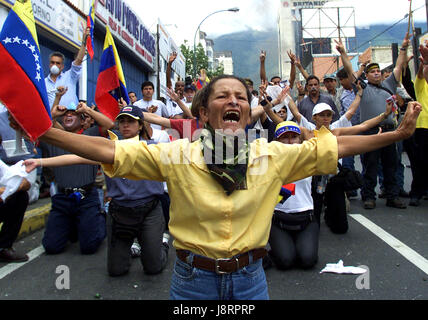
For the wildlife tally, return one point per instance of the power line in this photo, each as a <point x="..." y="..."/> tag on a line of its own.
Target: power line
<point x="387" y="29"/>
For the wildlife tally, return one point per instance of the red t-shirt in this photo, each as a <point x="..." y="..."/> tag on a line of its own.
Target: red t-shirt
<point x="184" y="127"/>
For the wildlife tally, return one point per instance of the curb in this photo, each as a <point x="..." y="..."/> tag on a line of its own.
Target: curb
<point x="34" y="220"/>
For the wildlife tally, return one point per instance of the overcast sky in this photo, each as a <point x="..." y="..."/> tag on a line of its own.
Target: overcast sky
<point x="183" y="17"/>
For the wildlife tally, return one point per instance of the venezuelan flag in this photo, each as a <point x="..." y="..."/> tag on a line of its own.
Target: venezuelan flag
<point x="286" y="192"/>
<point x="23" y="89"/>
<point x="90" y="22"/>
<point x="111" y="84"/>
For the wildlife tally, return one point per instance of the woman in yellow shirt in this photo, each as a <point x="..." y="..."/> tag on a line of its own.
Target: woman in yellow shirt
<point x="222" y="202"/>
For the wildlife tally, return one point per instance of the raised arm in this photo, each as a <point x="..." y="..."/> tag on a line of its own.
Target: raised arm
<point x="301" y="69"/>
<point x="402" y="58"/>
<point x="352" y="145"/>
<point x="267" y="105"/>
<point x="180" y="103"/>
<point x="262" y="66"/>
<point x="102" y="120"/>
<point x="82" y="50"/>
<point x="155" y="119"/>
<point x="171" y="59"/>
<point x="345" y="60"/>
<point x="95" y="148"/>
<point x="295" y="111"/>
<point x="292" y="57"/>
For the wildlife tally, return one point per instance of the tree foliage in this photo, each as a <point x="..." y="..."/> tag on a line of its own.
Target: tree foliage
<point x="201" y="61"/>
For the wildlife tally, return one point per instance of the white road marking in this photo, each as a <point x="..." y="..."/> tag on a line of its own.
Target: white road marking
<point x="11" y="267"/>
<point x="407" y="252"/>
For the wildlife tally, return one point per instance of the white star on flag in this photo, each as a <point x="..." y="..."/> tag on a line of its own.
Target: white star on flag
<point x="16" y="39"/>
<point x="38" y="67"/>
<point x="38" y="76"/>
<point x="25" y="42"/>
<point x="32" y="48"/>
<point x="7" y="40"/>
<point x="36" y="57"/>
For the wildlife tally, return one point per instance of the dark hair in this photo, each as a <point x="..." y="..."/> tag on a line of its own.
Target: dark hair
<point x="271" y="79"/>
<point x="312" y="77"/>
<point x="387" y="69"/>
<point x="342" y="74"/>
<point x="57" y="54"/>
<point x="147" y="84"/>
<point x="209" y="88"/>
<point x="129" y="92"/>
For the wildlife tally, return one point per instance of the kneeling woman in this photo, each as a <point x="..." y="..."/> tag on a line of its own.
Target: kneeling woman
<point x="294" y="233"/>
<point x="134" y="211"/>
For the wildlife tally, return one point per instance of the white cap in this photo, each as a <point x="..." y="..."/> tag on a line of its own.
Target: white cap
<point x="320" y="107"/>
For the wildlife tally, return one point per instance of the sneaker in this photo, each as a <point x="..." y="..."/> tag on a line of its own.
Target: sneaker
<point x="370" y="204"/>
<point x="10" y="255"/>
<point x="135" y="250"/>
<point x="396" y="203"/>
<point x="414" y="202"/>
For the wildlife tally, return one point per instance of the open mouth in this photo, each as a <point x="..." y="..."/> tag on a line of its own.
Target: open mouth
<point x="68" y="120"/>
<point x="231" y="116"/>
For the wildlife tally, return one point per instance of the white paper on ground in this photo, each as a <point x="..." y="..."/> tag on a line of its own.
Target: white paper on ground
<point x="339" y="268"/>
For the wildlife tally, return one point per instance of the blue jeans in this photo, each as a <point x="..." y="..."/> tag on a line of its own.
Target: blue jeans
<point x="66" y="215"/>
<point x="190" y="283"/>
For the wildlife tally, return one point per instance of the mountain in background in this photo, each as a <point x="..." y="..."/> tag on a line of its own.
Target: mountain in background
<point x="246" y="46"/>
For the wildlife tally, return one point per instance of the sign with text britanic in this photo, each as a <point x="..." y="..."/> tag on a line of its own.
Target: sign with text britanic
<point x="304" y="4"/>
<point x="128" y="28"/>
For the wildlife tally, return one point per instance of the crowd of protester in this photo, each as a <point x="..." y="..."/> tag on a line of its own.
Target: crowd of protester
<point x="88" y="206"/>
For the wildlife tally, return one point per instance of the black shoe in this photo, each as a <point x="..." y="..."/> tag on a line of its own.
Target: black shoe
<point x="414" y="202"/>
<point x="10" y="255"/>
<point x="370" y="204"/>
<point x="396" y="203"/>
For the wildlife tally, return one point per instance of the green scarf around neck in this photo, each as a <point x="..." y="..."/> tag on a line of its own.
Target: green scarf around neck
<point x="228" y="166"/>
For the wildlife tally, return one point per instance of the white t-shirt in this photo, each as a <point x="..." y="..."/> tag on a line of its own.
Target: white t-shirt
<point x="173" y="108"/>
<point x="341" y="123"/>
<point x="161" y="111"/>
<point x="160" y="136"/>
<point x="301" y="200"/>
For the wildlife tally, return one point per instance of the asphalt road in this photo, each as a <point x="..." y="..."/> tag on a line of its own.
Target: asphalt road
<point x="392" y="274"/>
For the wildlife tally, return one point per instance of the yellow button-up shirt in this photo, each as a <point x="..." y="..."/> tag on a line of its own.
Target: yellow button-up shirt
<point x="203" y="219"/>
<point x="421" y="90"/>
